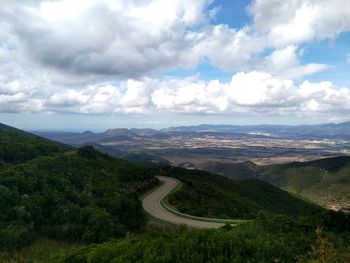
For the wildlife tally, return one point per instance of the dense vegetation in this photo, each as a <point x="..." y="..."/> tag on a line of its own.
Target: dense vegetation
<point x="17" y="146"/>
<point x="206" y="194"/>
<point x="318" y="238"/>
<point x="84" y="196"/>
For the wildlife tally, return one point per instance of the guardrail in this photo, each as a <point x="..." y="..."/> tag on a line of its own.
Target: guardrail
<point x="205" y="219"/>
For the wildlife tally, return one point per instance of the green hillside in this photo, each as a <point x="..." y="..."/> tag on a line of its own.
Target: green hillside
<point x="17" y="146"/>
<point x="325" y="181"/>
<point x="48" y="189"/>
<point x="210" y="195"/>
<point x="139" y="158"/>
<point x="238" y="171"/>
<point x="82" y="197"/>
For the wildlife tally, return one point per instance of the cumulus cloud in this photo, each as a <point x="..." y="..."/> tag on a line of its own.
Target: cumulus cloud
<point x="20" y="103"/>
<point x="137" y="38"/>
<point x="299" y="21"/>
<point x="68" y="55"/>
<point x="249" y="92"/>
<point x="284" y="62"/>
<point x="229" y="48"/>
<point x="123" y="38"/>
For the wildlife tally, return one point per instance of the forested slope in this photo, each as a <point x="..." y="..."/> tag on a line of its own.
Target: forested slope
<point x="77" y="195"/>
<point x="17" y="146"/>
<point x="206" y="194"/>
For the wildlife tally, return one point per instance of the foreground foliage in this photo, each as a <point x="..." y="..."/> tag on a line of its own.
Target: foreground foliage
<point x="267" y="239"/>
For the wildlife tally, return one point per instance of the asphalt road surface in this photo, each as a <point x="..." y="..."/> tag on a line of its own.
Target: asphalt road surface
<point x="152" y="205"/>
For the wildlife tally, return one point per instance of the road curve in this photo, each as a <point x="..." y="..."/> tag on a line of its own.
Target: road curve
<point x="152" y="205"/>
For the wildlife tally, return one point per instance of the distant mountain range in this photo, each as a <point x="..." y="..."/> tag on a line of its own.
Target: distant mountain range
<point x="318" y="131"/>
<point x="98" y="141"/>
<point x="144" y="146"/>
<point x="76" y="138"/>
<point x="327" y="130"/>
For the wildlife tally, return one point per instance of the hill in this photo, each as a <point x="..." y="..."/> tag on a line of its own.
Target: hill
<point x="76" y="138"/>
<point x="84" y="196"/>
<point x="140" y="158"/>
<point x="76" y="195"/>
<point x="100" y="142"/>
<point x="17" y="146"/>
<point x="237" y="171"/>
<point x="324" y="181"/>
<point x="209" y="195"/>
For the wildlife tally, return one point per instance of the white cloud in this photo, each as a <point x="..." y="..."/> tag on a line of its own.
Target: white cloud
<point x="20" y="103"/>
<point x="137" y="93"/>
<point x="299" y="21"/>
<point x="251" y="92"/>
<point x="256" y="88"/>
<point x="92" y="100"/>
<point x="131" y="39"/>
<point x="284" y="62"/>
<point x="312" y="105"/>
<point x="283" y="59"/>
<point x="67" y="55"/>
<point x="228" y="48"/>
<point x="190" y="95"/>
<point x="121" y="38"/>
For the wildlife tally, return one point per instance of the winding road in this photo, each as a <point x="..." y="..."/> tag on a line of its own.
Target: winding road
<point x="152" y="204"/>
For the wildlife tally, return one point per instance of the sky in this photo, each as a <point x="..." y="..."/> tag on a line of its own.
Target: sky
<point x="78" y="65"/>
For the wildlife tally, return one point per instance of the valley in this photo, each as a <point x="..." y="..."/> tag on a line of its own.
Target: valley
<point x="238" y="152"/>
<point x="189" y="146"/>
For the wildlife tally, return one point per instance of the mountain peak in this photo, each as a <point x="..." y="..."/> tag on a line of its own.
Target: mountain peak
<point x="88" y="132"/>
